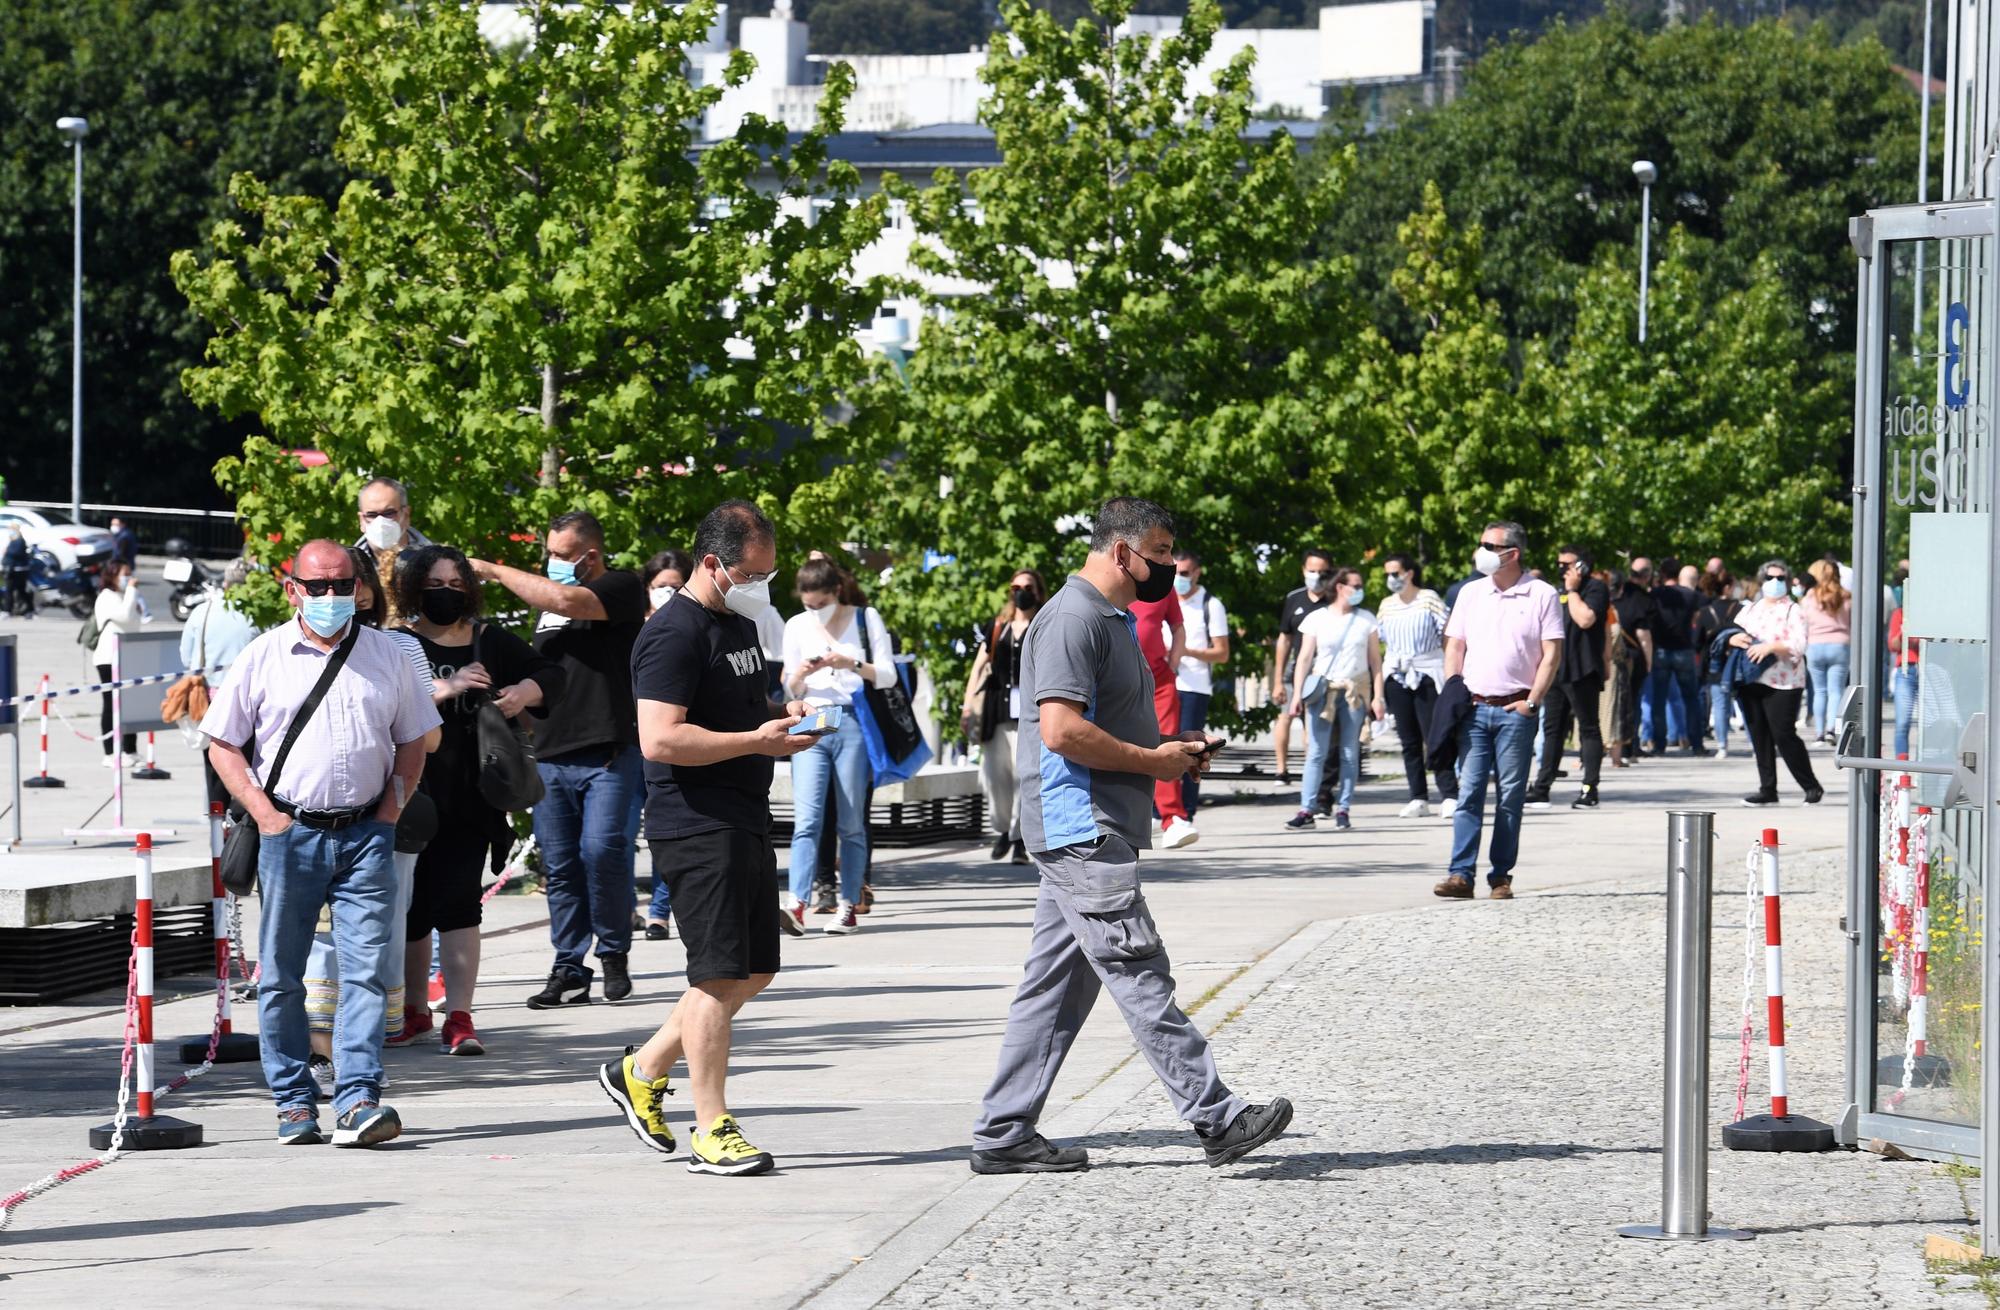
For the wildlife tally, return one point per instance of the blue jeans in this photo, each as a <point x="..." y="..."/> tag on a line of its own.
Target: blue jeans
<point x="1319" y="741"/>
<point x="354" y="872"/>
<point x="1904" y="686"/>
<point x="1718" y="715"/>
<point x="584" y="829"/>
<point x="844" y="756"/>
<point x="1492" y="740"/>
<point x="1826" y="665"/>
<point x="1194" y="715"/>
<point x="658" y="909"/>
<point x="1672" y="708"/>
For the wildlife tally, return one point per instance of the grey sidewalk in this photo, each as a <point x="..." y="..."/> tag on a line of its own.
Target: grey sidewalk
<point x="861" y="1067"/>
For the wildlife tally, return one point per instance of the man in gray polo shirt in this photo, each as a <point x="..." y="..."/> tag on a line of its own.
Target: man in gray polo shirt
<point x="1089" y="752"/>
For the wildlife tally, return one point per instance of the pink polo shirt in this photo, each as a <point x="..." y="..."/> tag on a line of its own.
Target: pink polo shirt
<point x="1503" y="632"/>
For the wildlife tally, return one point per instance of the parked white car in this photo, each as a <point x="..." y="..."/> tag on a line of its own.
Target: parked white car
<point x="71" y="543"/>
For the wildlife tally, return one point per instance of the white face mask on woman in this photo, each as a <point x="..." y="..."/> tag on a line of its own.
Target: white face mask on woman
<point x="660" y="595"/>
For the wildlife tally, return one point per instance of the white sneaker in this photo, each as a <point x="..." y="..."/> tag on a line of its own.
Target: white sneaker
<point x="845" y="920"/>
<point x="1448" y="808"/>
<point x="1180" y="832"/>
<point x="1719" y="753"/>
<point x="1416" y="809"/>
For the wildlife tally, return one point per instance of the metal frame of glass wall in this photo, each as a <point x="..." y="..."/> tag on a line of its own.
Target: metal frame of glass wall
<point x="1924" y="352"/>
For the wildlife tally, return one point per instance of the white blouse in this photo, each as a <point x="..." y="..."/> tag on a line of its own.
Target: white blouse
<point x="806" y="637"/>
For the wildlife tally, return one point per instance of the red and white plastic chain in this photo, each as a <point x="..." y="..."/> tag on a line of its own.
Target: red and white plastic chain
<point x="1920" y="841"/>
<point x="1752" y="897"/>
<point x="81" y="735"/>
<point x="214" y="1040"/>
<point x="511" y="870"/>
<point x="8" y="1204"/>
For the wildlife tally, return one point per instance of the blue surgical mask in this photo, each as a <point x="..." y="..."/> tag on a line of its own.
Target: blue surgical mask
<point x="561" y="570"/>
<point x="327" y="615"/>
<point x="1774" y="588"/>
<point x="1185" y="586"/>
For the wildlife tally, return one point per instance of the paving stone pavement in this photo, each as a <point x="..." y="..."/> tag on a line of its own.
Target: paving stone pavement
<point x="1478" y="1105"/>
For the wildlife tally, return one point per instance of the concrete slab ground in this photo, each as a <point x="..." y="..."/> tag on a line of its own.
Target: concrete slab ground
<point x="1343" y="983"/>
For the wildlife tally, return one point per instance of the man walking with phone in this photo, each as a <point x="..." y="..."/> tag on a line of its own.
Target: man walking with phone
<point x="1090" y="737"/>
<point x="318" y="732"/>
<point x="709" y="733"/>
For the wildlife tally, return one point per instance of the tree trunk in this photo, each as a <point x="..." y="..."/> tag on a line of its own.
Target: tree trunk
<point x="551" y="457"/>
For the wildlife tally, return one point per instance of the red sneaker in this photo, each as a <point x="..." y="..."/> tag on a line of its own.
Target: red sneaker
<point x="415" y="1024"/>
<point x="459" y="1039"/>
<point x="437" y="991"/>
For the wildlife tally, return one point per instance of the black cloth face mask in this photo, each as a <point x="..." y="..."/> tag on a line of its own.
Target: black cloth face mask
<point x="444" y="606"/>
<point x="1159" y="583"/>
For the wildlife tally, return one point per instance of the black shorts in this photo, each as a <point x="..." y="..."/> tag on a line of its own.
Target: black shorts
<point x="725" y="891"/>
<point x="445" y="893"/>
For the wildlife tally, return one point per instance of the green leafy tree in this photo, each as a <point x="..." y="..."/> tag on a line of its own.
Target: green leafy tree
<point x="1713" y="437"/>
<point x="180" y="94"/>
<point x="1148" y="320"/>
<point x="536" y="295"/>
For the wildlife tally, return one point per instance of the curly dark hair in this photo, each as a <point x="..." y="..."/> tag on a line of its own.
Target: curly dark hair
<point x="414" y="574"/>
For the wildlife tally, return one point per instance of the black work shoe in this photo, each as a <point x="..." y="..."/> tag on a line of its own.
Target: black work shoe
<point x="1000" y="848"/>
<point x="1020" y="855"/>
<point x="1761" y="798"/>
<point x="1585" y="799"/>
<point x="1257" y="1125"/>
<point x="657" y="930"/>
<point x="617" y="978"/>
<point x="1037" y="1155"/>
<point x="567" y="985"/>
<point x="1816" y="795"/>
<point x="1536" y="800"/>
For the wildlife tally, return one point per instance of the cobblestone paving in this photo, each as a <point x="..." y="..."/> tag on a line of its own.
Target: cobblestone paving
<point x="1478" y="1094"/>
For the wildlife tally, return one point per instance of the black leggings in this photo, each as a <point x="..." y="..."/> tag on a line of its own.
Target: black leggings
<point x="1772" y="715"/>
<point x="131" y="739"/>
<point x="1412" y="712"/>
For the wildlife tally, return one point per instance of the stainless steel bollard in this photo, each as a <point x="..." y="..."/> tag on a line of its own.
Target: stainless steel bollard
<point x="1684" y="1171"/>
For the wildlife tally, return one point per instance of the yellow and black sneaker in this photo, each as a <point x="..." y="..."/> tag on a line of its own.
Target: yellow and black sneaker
<point x="640" y="1101"/>
<point x="722" y="1150"/>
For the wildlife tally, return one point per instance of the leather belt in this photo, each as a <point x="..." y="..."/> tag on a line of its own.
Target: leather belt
<point x="325" y="820"/>
<point x="1508" y="699"/>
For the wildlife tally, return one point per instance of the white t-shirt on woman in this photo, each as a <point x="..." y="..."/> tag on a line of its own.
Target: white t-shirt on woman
<point x="806" y="636"/>
<point x="1342" y="642"/>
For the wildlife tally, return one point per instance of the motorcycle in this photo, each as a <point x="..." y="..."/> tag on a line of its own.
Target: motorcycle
<point x="191" y="578"/>
<point x="49" y="583"/>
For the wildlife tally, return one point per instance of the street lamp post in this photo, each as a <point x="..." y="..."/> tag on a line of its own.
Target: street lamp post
<point x="1643" y="170"/>
<point x="76" y="129"/>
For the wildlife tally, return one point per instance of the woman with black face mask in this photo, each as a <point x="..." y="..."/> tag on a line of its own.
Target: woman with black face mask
<point x="471" y="663"/>
<point x="992" y="711"/>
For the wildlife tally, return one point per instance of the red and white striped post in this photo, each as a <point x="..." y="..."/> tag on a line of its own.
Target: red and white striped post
<point x="146" y="1131"/>
<point x="150" y="770"/>
<point x="1780" y="1130"/>
<point x="42" y="779"/>
<point x="224" y="1045"/>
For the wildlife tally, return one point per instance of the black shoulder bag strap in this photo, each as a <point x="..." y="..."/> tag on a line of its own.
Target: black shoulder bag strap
<point x="313" y="698"/>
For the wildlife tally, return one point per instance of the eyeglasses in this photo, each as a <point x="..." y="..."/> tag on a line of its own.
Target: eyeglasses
<point x="748" y="579"/>
<point x="326" y="586"/>
<point x="1496" y="545"/>
<point x="370" y="515"/>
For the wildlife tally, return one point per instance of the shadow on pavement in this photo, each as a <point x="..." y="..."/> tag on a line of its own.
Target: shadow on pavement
<point x="196" y="1223"/>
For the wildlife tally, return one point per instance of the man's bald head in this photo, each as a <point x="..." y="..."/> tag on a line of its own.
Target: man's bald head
<point x="321" y="558"/>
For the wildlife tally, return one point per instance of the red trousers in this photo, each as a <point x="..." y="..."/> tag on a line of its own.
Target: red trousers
<point x="1167" y="798"/>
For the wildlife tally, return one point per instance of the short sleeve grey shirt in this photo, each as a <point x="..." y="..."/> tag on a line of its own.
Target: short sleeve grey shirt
<point x="1083" y="648"/>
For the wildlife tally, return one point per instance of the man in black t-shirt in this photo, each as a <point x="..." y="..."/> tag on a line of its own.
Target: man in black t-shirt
<point x="1579" y="682"/>
<point x="709" y="733"/>
<point x="1672" y="708"/>
<point x="1317" y="594"/>
<point x="588" y="753"/>
<point x="1636" y="613"/>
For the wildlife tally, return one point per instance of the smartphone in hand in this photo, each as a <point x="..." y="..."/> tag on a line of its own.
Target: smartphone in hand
<point x="820" y="722"/>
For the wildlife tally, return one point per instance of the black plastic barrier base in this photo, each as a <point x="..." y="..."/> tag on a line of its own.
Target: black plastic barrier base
<point x="42" y="780"/>
<point x="1926" y="1070"/>
<point x="150" y="772"/>
<point x="231" y="1048"/>
<point x="159" y="1132"/>
<point x="1766" y="1132"/>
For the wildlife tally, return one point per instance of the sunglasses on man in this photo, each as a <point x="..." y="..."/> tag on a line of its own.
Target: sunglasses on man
<point x="326" y="586"/>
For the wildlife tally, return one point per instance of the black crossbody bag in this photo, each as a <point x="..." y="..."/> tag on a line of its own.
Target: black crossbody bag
<point x="239" y="846"/>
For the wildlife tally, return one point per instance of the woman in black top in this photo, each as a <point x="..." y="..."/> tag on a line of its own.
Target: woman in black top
<point x="992" y="711"/>
<point x="471" y="663"/>
<point x="1719" y="607"/>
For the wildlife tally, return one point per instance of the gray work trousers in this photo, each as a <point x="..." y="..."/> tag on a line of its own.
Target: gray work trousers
<point x="1092" y="929"/>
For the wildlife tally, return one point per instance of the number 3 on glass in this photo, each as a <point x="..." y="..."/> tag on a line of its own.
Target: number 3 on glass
<point x="1956" y="388"/>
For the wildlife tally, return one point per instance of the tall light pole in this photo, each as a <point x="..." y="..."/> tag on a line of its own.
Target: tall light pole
<point x="76" y="129"/>
<point x="1643" y="170"/>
